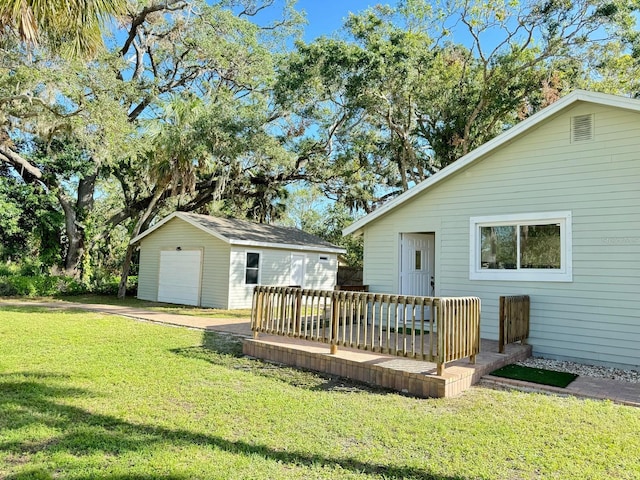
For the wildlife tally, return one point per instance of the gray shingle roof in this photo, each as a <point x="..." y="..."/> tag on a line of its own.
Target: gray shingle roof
<point x="243" y="230"/>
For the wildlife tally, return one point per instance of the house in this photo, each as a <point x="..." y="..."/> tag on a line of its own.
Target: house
<point x="216" y="262"/>
<point x="550" y="209"/>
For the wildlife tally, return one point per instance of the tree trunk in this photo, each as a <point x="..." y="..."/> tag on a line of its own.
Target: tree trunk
<point x="74" y="217"/>
<point x="141" y="225"/>
<point x="126" y="268"/>
<point x="75" y="244"/>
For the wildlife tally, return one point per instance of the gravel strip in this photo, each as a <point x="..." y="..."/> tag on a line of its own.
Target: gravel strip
<point x="631" y="376"/>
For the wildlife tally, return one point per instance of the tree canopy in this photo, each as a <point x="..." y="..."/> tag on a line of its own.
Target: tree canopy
<point x="145" y="107"/>
<point x="401" y="95"/>
<point x="72" y="27"/>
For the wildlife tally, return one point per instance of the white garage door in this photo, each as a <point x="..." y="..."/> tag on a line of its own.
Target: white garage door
<point x="179" y="278"/>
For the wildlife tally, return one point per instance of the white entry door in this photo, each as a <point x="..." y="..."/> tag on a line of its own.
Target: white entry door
<point x="297" y="269"/>
<point x="417" y="267"/>
<point x="179" y="276"/>
<point x="417" y="264"/>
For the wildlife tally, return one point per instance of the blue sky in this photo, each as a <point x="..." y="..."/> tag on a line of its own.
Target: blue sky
<point x="326" y="16"/>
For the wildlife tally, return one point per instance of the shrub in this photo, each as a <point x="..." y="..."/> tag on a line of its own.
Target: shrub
<point x="30" y="268"/>
<point x="18" y="285"/>
<point x="69" y="286"/>
<point x="26" y="280"/>
<point x="39" y="286"/>
<point x="108" y="285"/>
<point x="7" y="269"/>
<point x="7" y="289"/>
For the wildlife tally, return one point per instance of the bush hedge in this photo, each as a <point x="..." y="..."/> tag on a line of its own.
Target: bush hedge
<point x="52" y="285"/>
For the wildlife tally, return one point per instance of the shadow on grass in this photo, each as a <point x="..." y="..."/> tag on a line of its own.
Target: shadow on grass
<point x="226" y="351"/>
<point x="32" y="402"/>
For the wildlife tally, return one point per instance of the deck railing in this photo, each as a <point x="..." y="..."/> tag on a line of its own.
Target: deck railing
<point x="434" y="329"/>
<point x="514" y="320"/>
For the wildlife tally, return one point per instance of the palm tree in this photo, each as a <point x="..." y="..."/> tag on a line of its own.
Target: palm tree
<point x="73" y="27"/>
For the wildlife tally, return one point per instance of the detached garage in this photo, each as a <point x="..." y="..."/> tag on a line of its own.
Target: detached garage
<point x="207" y="261"/>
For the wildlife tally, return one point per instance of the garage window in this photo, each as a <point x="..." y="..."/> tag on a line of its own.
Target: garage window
<point x="252" y="269"/>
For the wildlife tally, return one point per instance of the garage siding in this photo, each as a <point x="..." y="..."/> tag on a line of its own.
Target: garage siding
<point x="275" y="269"/>
<point x="321" y="275"/>
<point x="176" y="232"/>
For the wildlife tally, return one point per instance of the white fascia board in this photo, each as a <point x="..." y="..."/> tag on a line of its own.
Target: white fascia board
<point x="287" y="246"/>
<point x="503" y="138"/>
<point x="181" y="216"/>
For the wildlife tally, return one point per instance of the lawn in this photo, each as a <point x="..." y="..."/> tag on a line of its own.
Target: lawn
<point x="156" y="306"/>
<point x="88" y="396"/>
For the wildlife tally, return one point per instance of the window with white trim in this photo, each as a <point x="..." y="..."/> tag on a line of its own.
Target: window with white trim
<point x="525" y="247"/>
<point x="252" y="268"/>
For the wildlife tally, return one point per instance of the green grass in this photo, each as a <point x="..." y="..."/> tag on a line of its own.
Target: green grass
<point x="88" y="396"/>
<point x="157" y="306"/>
<point x="536" y="375"/>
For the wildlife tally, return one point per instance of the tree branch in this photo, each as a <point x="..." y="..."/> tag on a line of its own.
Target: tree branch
<point x="21" y="165"/>
<point x="138" y="19"/>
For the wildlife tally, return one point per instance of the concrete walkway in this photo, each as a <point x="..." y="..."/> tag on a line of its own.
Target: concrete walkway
<point x="586" y="387"/>
<point x="625" y="393"/>
<point x="235" y="326"/>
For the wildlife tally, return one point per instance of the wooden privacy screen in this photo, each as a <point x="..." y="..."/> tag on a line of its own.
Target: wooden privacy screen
<point x="514" y="320"/>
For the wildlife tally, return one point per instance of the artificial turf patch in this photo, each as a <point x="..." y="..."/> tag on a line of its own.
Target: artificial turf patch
<point x="408" y="331"/>
<point x="536" y="375"/>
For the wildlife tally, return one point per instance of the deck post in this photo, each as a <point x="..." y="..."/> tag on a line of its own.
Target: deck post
<point x="501" y="326"/>
<point x="256" y="312"/>
<point x="298" y="313"/>
<point x="443" y="331"/>
<point x="335" y="316"/>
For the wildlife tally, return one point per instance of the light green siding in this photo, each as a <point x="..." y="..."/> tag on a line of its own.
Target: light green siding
<point x="215" y="259"/>
<point x="596" y="317"/>
<point x="275" y="269"/>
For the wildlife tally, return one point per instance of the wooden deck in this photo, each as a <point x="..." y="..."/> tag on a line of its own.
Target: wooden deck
<point x="414" y="377"/>
<point x="377" y="322"/>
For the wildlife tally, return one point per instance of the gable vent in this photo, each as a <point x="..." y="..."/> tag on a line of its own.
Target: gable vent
<point x="582" y="128"/>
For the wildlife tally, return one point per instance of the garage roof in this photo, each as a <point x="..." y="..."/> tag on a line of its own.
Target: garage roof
<point x="243" y="232"/>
